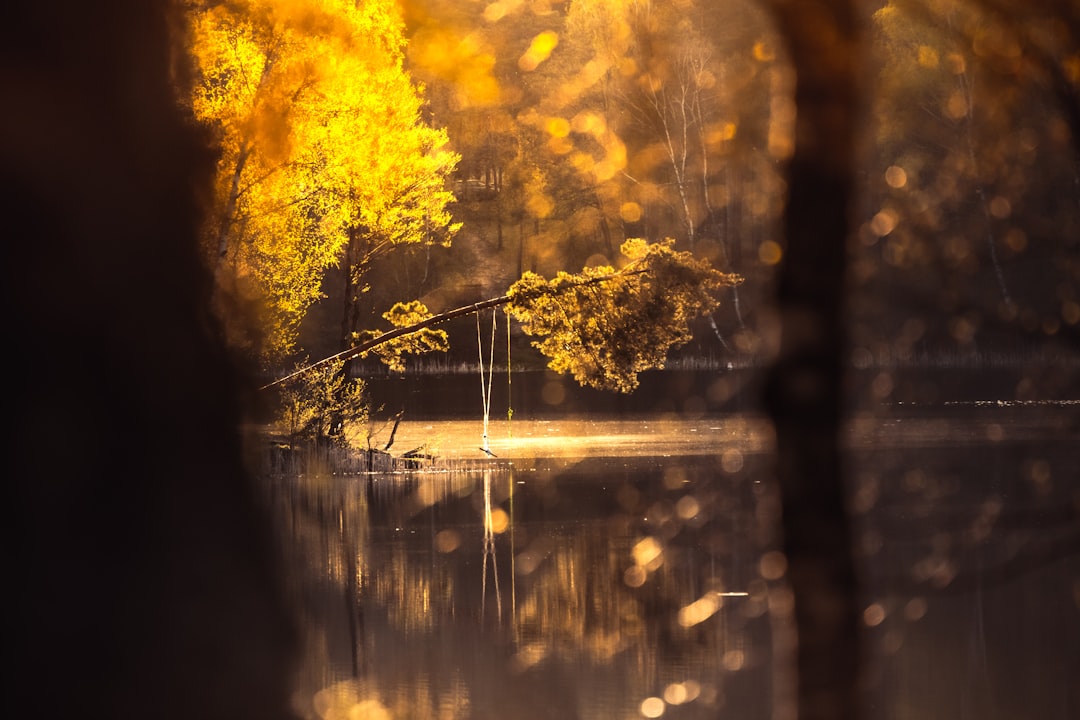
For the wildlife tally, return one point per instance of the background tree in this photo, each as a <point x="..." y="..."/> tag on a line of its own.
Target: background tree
<point x="805" y="397"/>
<point x="972" y="96"/>
<point x="584" y="161"/>
<point x="324" y="154"/>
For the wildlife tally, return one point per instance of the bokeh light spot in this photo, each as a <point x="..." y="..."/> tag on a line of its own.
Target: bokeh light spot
<point x="681" y="693"/>
<point x="1016" y="239"/>
<point x="447" y="541"/>
<point x="647" y="551"/>
<point x="630" y="212"/>
<point x="553" y="393"/>
<point x="731" y="460"/>
<point x="734" y="660"/>
<point x="915" y="609"/>
<point x="896" y="177"/>
<point x="884" y="222"/>
<point x="700" y="610"/>
<point x="874" y="615"/>
<point x="1000" y="207"/>
<point x="557" y="127"/>
<point x="500" y="521"/>
<point x="687" y="507"/>
<point x="773" y="565"/>
<point x="1070" y="312"/>
<point x="539" y="50"/>
<point x="769" y="252"/>
<point x="956" y="107"/>
<point x="635" y="576"/>
<point x="652" y="707"/>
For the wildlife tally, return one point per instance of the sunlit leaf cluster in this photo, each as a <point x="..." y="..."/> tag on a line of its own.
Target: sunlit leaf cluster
<point x="605" y="326"/>
<point x="393" y="352"/>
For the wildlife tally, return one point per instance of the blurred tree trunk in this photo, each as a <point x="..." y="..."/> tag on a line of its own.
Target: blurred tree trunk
<point x="804" y="388"/>
<point x="143" y="575"/>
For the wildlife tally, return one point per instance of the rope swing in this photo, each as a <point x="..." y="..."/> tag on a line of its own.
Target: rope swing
<point x="485" y="383"/>
<point x="486" y="380"/>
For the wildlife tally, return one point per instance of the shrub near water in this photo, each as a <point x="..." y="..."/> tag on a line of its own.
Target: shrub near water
<point x="323" y="408"/>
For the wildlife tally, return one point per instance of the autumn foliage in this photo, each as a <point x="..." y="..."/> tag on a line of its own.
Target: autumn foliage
<point x="604" y="333"/>
<point x="322" y="147"/>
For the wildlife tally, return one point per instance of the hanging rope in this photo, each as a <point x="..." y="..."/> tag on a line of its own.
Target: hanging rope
<point x="485" y="384"/>
<point x="509" y="407"/>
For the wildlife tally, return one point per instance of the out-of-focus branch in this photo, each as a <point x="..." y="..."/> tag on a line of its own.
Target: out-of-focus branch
<point x="804" y="388"/>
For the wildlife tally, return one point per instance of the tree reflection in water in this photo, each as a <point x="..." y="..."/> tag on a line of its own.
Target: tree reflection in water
<point x="619" y="585"/>
<point x="612" y="585"/>
<point x="498" y="520"/>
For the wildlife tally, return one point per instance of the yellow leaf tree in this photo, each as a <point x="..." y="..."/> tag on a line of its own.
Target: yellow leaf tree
<point x="324" y="155"/>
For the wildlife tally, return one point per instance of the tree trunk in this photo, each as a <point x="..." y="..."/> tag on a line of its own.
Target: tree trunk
<point x="229" y="212"/>
<point x="804" y="388"/>
<point x="351" y="308"/>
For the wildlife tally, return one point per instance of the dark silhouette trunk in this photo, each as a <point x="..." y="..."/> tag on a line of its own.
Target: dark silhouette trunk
<point x="172" y="606"/>
<point x="350" y="310"/>
<point x="228" y="213"/>
<point x="349" y="548"/>
<point x="804" y="387"/>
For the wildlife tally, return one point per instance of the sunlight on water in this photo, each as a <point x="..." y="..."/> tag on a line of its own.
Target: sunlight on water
<point x="570" y="438"/>
<point x="614" y="582"/>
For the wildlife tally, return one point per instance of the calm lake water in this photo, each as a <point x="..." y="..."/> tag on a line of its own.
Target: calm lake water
<point x="603" y="564"/>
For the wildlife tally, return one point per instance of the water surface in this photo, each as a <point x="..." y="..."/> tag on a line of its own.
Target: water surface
<point x="601" y="566"/>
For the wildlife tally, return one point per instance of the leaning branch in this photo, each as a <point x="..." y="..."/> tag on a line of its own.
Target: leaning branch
<point x="358" y="350"/>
